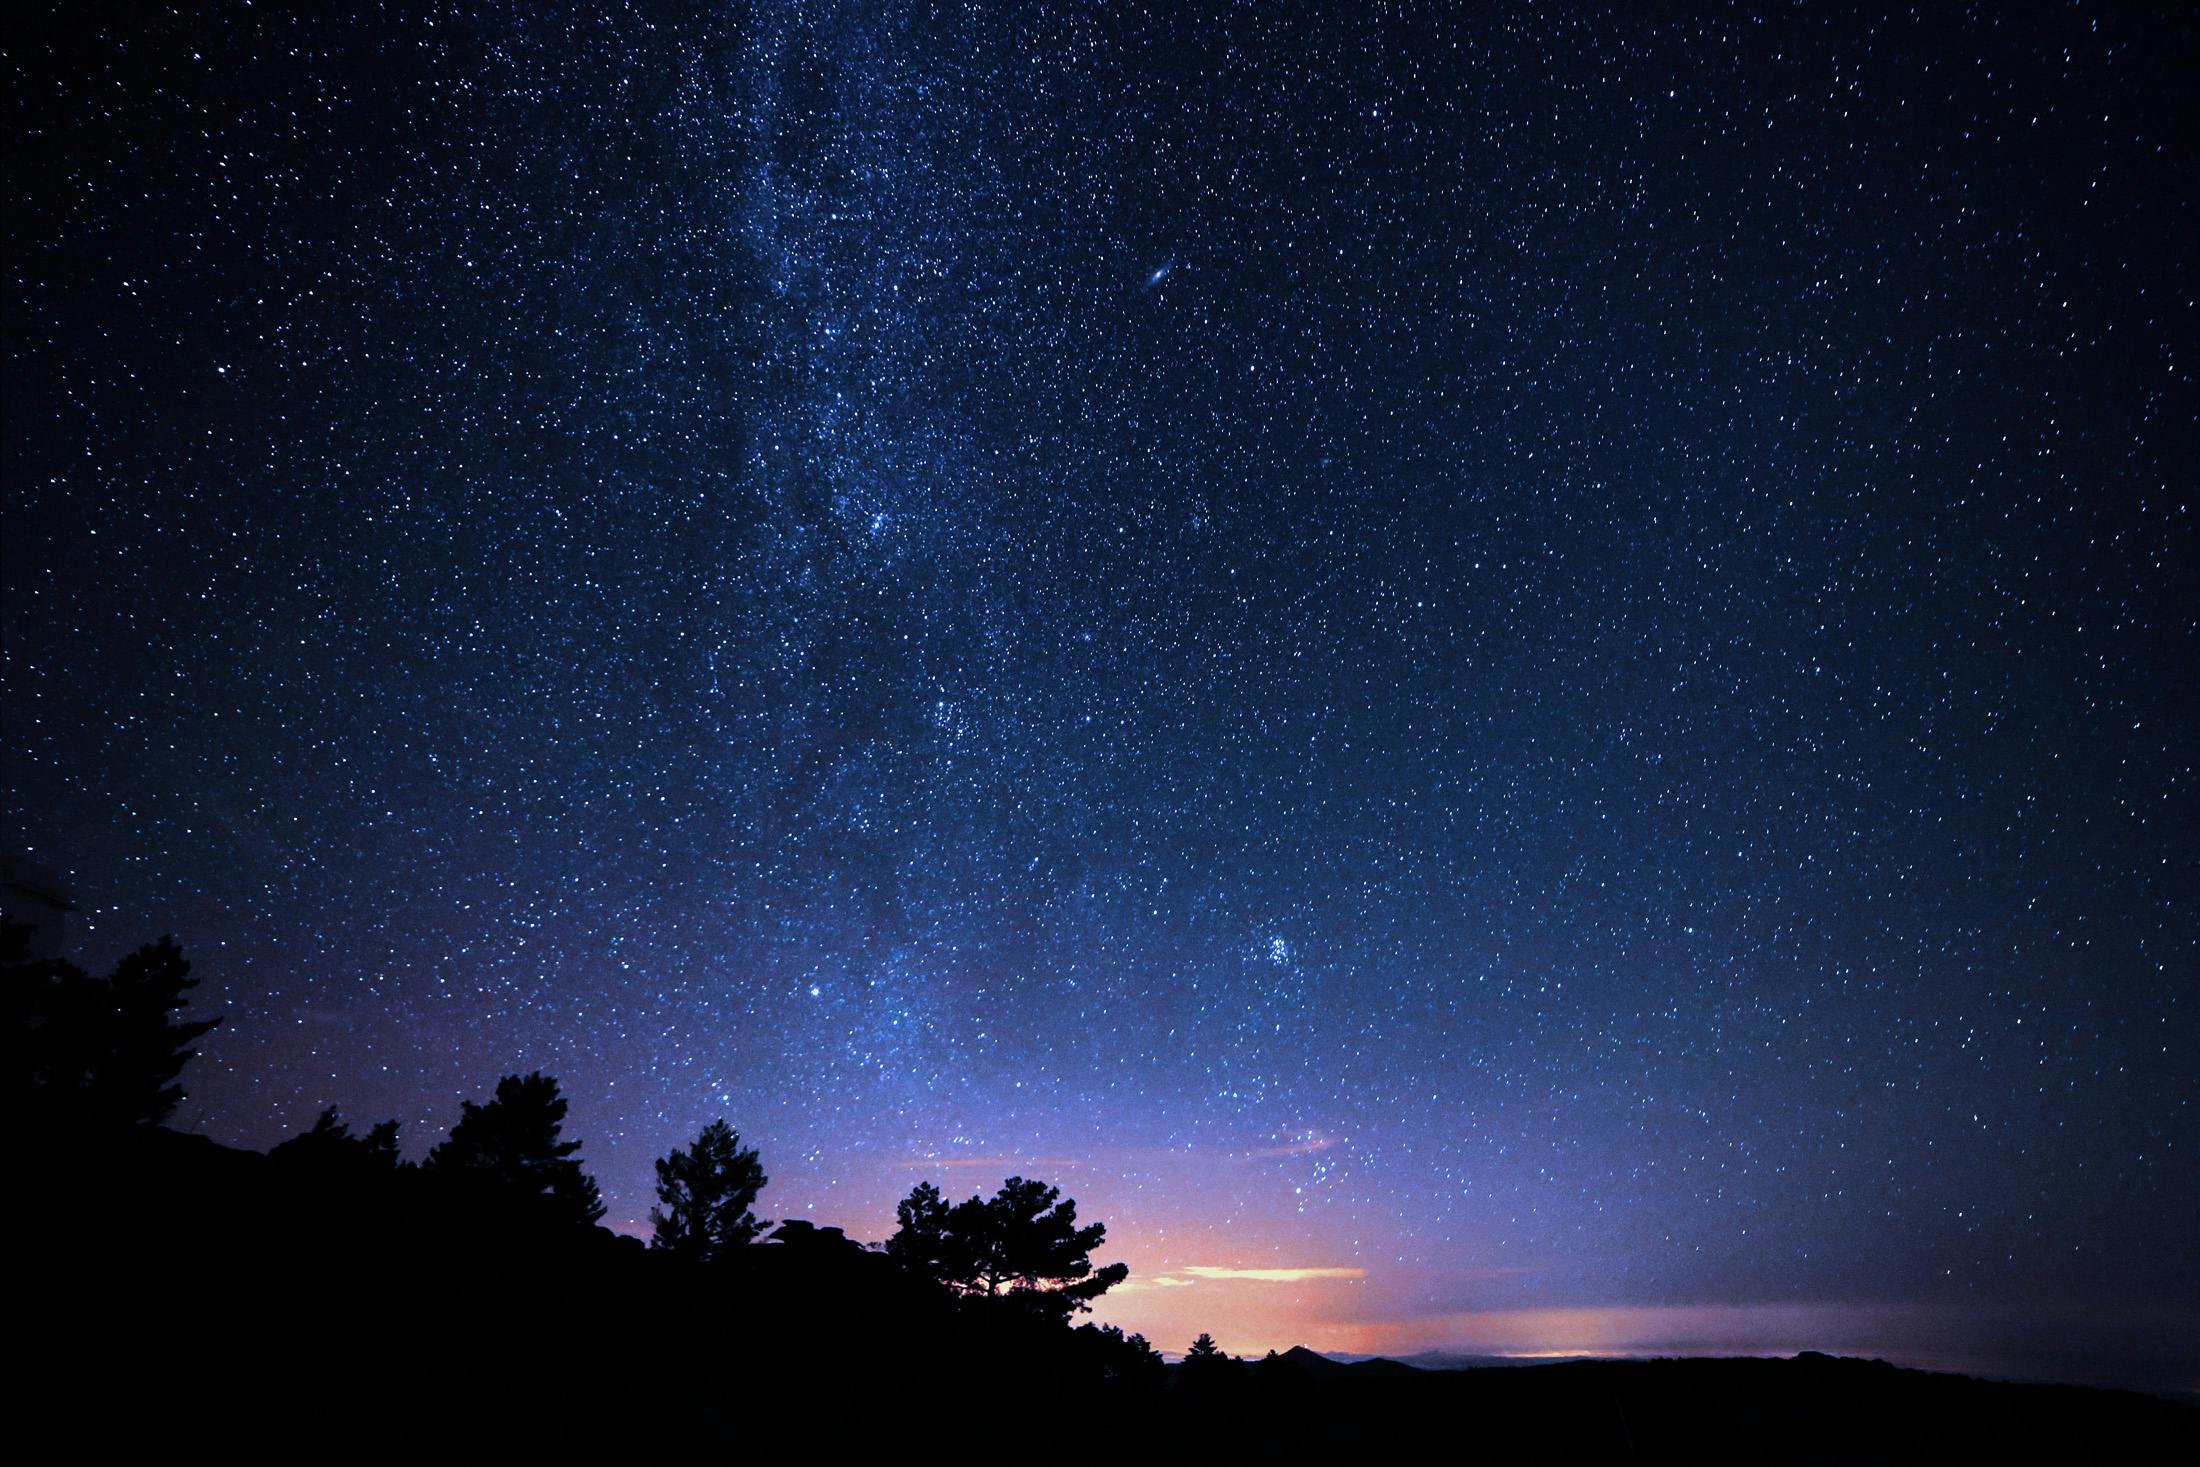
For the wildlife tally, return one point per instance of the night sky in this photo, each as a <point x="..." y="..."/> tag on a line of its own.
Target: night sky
<point x="1502" y="678"/>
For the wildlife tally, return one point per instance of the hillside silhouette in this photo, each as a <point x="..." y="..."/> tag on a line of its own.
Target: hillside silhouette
<point x="327" y="1299"/>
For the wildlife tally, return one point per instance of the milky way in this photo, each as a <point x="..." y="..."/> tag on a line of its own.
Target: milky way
<point x="1533" y="661"/>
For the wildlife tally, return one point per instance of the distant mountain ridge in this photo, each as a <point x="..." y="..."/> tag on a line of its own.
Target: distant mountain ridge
<point x="1311" y="1364"/>
<point x="1452" y="1360"/>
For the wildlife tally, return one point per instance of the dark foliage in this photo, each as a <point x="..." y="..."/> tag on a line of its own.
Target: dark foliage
<point x="86" y="1053"/>
<point x="327" y="1299"/>
<point x="511" y="1145"/>
<point x="1131" y="1359"/>
<point x="1023" y="1243"/>
<point x="921" y="1243"/>
<point x="706" y="1197"/>
<point x="1207" y="1369"/>
<point x="331" y="1148"/>
<point x="288" y="1315"/>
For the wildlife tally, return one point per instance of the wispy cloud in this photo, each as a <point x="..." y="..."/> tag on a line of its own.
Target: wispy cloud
<point x="1305" y="1147"/>
<point x="1272" y="1275"/>
<point x="1124" y="1158"/>
<point x="1006" y="1165"/>
<point x="1190" y="1274"/>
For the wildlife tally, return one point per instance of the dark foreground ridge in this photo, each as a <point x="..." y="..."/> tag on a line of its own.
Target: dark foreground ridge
<point x="183" y="1296"/>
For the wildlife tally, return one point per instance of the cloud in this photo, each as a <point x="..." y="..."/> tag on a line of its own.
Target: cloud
<point x="1005" y="1165"/>
<point x="1306" y="1147"/>
<point x="1121" y="1158"/>
<point x="1190" y="1274"/>
<point x="1272" y="1275"/>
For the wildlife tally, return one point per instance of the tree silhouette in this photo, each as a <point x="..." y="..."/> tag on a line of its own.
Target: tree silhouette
<point x="707" y="1192"/>
<point x="1128" y="1358"/>
<point x="1023" y="1242"/>
<point x="923" y="1244"/>
<point x="512" y="1144"/>
<point x="1037" y="1247"/>
<point x="330" y="1148"/>
<point x="1208" y="1367"/>
<point x="96" y="1053"/>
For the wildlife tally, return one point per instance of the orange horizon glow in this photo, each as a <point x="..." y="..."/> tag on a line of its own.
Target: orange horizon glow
<point x="1258" y="1273"/>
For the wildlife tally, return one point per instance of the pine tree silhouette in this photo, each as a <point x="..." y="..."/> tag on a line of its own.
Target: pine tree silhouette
<point x="706" y="1194"/>
<point x="1023" y="1242"/>
<point x="330" y="1148"/>
<point x="512" y="1144"/>
<point x="95" y="1053"/>
<point x="922" y="1243"/>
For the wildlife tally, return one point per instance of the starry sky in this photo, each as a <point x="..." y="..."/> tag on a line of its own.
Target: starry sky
<point x="1504" y="678"/>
